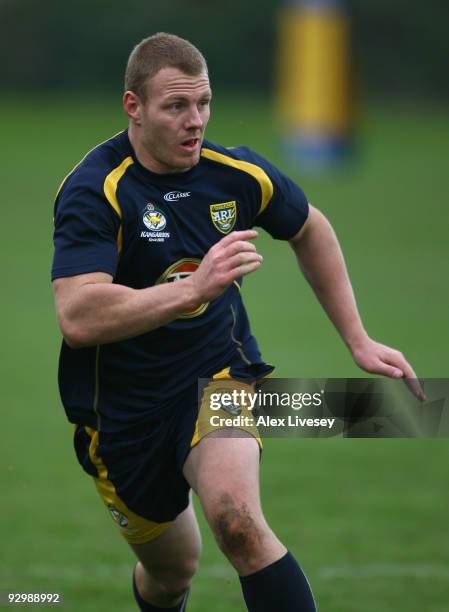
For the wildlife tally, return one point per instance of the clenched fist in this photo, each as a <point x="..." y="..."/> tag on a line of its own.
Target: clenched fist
<point x="230" y="258"/>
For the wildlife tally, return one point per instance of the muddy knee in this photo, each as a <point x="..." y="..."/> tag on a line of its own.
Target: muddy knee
<point x="238" y="532"/>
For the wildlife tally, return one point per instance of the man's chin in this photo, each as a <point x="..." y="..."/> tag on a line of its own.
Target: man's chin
<point x="183" y="159"/>
<point x="188" y="160"/>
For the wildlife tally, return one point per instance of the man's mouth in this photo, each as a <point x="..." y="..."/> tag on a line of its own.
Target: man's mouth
<point x="190" y="144"/>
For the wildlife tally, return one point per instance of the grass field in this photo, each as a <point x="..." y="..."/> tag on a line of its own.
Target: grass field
<point x="366" y="518"/>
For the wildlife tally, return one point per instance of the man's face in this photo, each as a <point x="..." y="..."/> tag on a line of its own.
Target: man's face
<point x="173" y="120"/>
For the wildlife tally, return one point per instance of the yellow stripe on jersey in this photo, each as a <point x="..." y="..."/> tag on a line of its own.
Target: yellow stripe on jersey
<point x="110" y="191"/>
<point x="134" y="528"/>
<point x="237" y="342"/>
<point x="260" y="175"/>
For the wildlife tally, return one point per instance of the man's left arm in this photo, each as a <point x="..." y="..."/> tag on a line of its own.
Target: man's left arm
<point x="321" y="261"/>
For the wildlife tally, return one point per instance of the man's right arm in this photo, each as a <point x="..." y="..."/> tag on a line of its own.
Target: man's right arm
<point x="91" y="309"/>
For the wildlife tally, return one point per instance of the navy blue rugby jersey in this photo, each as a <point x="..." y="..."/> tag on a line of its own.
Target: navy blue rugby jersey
<point x="113" y="215"/>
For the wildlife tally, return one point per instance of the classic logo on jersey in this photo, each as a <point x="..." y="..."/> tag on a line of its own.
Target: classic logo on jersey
<point x="224" y="216"/>
<point x="155" y="221"/>
<point x="173" y="196"/>
<point x="177" y="271"/>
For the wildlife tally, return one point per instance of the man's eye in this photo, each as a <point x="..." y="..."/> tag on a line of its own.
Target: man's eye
<point x="175" y="106"/>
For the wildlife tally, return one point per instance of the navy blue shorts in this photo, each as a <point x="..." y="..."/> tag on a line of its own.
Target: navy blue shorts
<point x="138" y="471"/>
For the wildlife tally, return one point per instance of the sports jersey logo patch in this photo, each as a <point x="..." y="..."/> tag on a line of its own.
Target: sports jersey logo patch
<point x="173" y="196"/>
<point x="121" y="519"/>
<point x="153" y="218"/>
<point x="118" y="516"/>
<point x="232" y="409"/>
<point x="155" y="221"/>
<point x="224" y="216"/>
<point x="177" y="271"/>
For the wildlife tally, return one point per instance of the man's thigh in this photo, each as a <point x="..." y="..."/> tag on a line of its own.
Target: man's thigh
<point x="178" y="546"/>
<point x="223" y="469"/>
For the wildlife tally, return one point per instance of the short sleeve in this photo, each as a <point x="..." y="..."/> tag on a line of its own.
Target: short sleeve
<point x="287" y="209"/>
<point x="85" y="234"/>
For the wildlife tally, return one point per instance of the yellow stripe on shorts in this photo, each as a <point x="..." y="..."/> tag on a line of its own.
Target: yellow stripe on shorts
<point x="134" y="528"/>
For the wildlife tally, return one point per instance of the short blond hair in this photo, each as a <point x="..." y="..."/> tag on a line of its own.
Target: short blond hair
<point x="161" y="50"/>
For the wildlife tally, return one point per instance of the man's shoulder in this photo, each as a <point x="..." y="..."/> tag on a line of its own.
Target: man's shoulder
<point x="238" y="153"/>
<point x="240" y="157"/>
<point x="98" y="164"/>
<point x="243" y="159"/>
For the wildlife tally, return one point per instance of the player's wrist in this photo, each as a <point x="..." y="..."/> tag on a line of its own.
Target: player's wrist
<point x="356" y="340"/>
<point x="191" y="296"/>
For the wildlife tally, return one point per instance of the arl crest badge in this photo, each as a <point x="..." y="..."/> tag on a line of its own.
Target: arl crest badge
<point x="224" y="216"/>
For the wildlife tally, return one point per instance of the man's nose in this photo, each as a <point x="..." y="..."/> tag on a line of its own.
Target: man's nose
<point x="194" y="119"/>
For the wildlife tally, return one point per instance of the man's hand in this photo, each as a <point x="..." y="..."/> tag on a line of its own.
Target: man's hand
<point x="230" y="258"/>
<point x="377" y="358"/>
<point x="321" y="260"/>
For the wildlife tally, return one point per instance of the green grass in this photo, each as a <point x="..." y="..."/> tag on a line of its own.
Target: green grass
<point x="366" y="518"/>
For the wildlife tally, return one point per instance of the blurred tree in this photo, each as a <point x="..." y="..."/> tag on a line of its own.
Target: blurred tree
<point x="403" y="46"/>
<point x="84" y="44"/>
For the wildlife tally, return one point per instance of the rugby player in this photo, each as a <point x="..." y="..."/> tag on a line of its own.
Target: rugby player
<point x="153" y="236"/>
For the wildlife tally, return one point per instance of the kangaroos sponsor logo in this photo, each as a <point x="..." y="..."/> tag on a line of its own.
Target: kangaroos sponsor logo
<point x="172" y="196"/>
<point x="224" y="216"/>
<point x="155" y="220"/>
<point x="177" y="271"/>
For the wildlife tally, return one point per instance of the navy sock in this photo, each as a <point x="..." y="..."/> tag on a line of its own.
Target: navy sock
<point x="279" y="587"/>
<point x="144" y="606"/>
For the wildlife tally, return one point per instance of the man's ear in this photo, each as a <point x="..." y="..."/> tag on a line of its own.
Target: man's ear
<point x="132" y="106"/>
